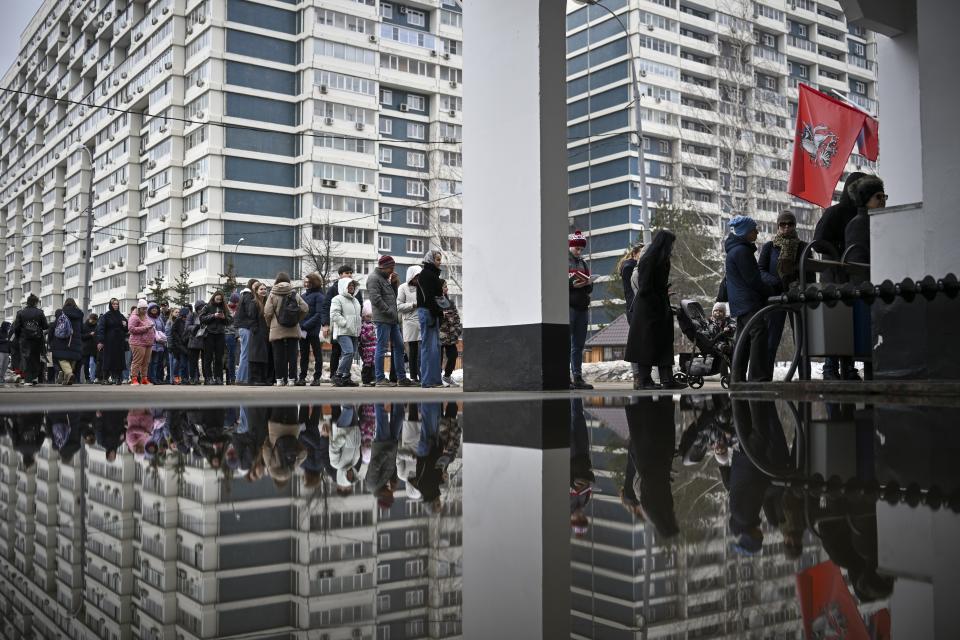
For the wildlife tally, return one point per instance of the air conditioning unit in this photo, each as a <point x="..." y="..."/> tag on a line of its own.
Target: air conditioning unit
<point x="433" y="54"/>
<point x="323" y="88"/>
<point x="112" y="187"/>
<point x="137" y="36"/>
<point x="124" y="182"/>
<point x="123" y="74"/>
<point x="360" y="126"/>
<point x="100" y="24"/>
<point x="113" y="265"/>
<point x="152" y="164"/>
<point x="154" y="20"/>
<point x="453" y="84"/>
<point x="120" y="263"/>
<point x="163" y="218"/>
<point x="200" y="82"/>
<point x="183" y="217"/>
<point x="168" y="65"/>
<point x="404" y="107"/>
<point x="161" y="249"/>
<point x="372" y="38"/>
<point x="103" y="269"/>
<point x="446" y="56"/>
<point x="199" y="115"/>
<point x="96" y="246"/>
<point x="165" y="10"/>
<point x="107" y="15"/>
<point x="140" y="89"/>
<point x="330" y="184"/>
<point x="452" y="113"/>
<point x="364" y="187"/>
<point x="201" y="19"/>
<point x="450" y="140"/>
<point x="188" y="183"/>
<point x="120" y="236"/>
<point x="328" y="120"/>
<point x="403" y="9"/>
<point x="643" y="73"/>
<point x="189" y="30"/>
<point x="163" y="128"/>
<point x="116" y="82"/>
<point x="152" y="193"/>
<point x="203" y="208"/>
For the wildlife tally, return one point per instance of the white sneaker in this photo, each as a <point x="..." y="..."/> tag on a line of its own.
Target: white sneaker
<point x="447" y="380"/>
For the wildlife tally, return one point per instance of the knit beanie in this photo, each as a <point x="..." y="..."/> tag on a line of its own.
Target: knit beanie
<point x="386" y="261"/>
<point x="234" y="298"/>
<point x="142" y="304"/>
<point x="185" y="310"/>
<point x="577" y="239"/>
<point x="742" y="225"/>
<point x="863" y="189"/>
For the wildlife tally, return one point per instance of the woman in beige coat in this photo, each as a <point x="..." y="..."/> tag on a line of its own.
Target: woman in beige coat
<point x="284" y="327"/>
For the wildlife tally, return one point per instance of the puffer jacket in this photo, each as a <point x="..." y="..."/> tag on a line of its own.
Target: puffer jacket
<point x="247" y="312"/>
<point x="368" y="342"/>
<point x="407" y="307"/>
<point x="747" y="287"/>
<point x="277" y="330"/>
<point x="142" y="331"/>
<point x="314" y="299"/>
<point x="345" y="312"/>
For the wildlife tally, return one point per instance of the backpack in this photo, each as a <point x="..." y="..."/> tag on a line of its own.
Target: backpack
<point x="288" y="311"/>
<point x="32" y="330"/>
<point x="64" y="328"/>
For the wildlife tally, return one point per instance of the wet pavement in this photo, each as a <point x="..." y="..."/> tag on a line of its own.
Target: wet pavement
<point x="693" y="516"/>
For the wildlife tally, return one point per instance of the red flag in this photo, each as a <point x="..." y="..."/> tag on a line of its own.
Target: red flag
<point x="868" y="144"/>
<point x="827" y="129"/>
<point x="826" y="605"/>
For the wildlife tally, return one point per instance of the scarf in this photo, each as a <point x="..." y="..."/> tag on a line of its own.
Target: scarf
<point x="787" y="263"/>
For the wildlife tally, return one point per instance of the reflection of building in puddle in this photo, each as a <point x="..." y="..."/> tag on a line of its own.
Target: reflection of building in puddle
<point x="169" y="547"/>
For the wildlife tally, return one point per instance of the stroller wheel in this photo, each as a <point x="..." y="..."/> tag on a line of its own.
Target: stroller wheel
<point x="696" y="382"/>
<point x="725" y="382"/>
<point x="680" y="378"/>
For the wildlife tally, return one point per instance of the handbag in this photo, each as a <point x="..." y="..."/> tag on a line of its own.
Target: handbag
<point x="201" y="331"/>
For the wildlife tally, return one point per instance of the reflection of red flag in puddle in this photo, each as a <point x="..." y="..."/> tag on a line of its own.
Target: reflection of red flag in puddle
<point x="828" y="609"/>
<point x="880" y="625"/>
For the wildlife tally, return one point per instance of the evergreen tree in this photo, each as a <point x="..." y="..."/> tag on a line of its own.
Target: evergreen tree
<point x="157" y="292"/>
<point x="228" y="281"/>
<point x="182" y="288"/>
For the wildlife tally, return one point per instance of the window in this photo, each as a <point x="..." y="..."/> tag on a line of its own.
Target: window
<point x="414" y="217"/>
<point x="413" y="538"/>
<point x="416" y="103"/>
<point x="386" y="10"/>
<point x="416" y="131"/>
<point x="416" y="159"/>
<point x="383" y="603"/>
<point x="452" y="159"/>
<point x="416" y="18"/>
<point x="386" y="126"/>
<point x="860" y="87"/>
<point x="802" y="30"/>
<point x="385" y="243"/>
<point x="386" y="215"/>
<point x="415" y="246"/>
<point x="386" y="184"/>
<point x="451" y="18"/>
<point x="768" y="40"/>
<point x="386" y="155"/>
<point x="858" y="49"/>
<point x="386" y="96"/>
<point x="416" y="189"/>
<point x="413" y="598"/>
<point x="414" y="628"/>
<point x="383" y="570"/>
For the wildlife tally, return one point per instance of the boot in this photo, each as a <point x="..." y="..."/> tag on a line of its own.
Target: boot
<point x="667" y="381"/>
<point x="580" y="384"/>
<point x="145" y="380"/>
<point x="301" y="382"/>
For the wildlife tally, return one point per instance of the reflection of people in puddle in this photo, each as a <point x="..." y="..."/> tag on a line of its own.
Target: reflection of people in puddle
<point x="711" y="432"/>
<point x="751" y="490"/>
<point x="646" y="487"/>
<point x="345" y="443"/>
<point x="382" y="478"/>
<point x="110" y="431"/>
<point x="316" y="443"/>
<point x="438" y="445"/>
<point x="581" y="469"/>
<point x="282" y="450"/>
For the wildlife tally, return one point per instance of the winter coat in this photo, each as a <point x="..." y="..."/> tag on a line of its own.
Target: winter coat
<point x="650" y="340"/>
<point x="451" y="329"/>
<point x="383" y="298"/>
<point x="429" y="289"/>
<point x="345" y="444"/>
<point x="332" y="293"/>
<point x="767" y="262"/>
<point x="282" y="450"/>
<point x="857" y="235"/>
<point x="258" y="350"/>
<point x="215" y="325"/>
<point x="6" y="333"/>
<point x="67" y="348"/>
<point x="142" y="330"/>
<point x="579" y="296"/>
<point x="191" y="327"/>
<point x="88" y="340"/>
<point x="345" y="312"/>
<point x="314" y="299"/>
<point x="831" y="228"/>
<point x="626" y="272"/>
<point x="747" y="288"/>
<point x="160" y="326"/>
<point x="247" y="311"/>
<point x="407" y="311"/>
<point x="650" y="457"/>
<point x="112" y="334"/>
<point x="232" y="329"/>
<point x="368" y="342"/>
<point x="277" y="330"/>
<point x="177" y="337"/>
<point x="24" y="316"/>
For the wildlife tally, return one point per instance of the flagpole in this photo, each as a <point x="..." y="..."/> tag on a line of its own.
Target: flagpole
<point x="850" y="103"/>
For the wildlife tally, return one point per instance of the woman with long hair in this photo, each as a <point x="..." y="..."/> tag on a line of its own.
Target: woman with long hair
<point x="216" y="318"/>
<point x="650" y="341"/>
<point x="258" y="348"/>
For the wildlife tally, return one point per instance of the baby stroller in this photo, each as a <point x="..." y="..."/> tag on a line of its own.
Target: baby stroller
<point x="711" y="351"/>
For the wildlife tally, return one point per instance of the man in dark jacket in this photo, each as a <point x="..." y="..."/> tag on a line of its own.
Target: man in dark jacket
<point x="382" y="287"/>
<point x="245" y="320"/>
<point x="29" y="328"/>
<point x="867" y="194"/>
<point x="88" y="338"/>
<point x="6" y="331"/>
<point x="830" y="229"/>
<point x="581" y="287"/>
<point x="748" y="291"/>
<point x="429" y="313"/>
<point x="310" y="329"/>
<point x="344" y="271"/>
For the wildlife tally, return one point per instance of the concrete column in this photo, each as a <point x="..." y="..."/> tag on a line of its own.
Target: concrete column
<point x="515" y="181"/>
<point x="516" y="520"/>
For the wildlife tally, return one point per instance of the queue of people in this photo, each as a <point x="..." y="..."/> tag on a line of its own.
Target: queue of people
<point x="264" y="335"/>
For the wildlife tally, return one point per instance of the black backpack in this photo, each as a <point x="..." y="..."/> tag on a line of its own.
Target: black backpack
<point x="32" y="330"/>
<point x="288" y="311"/>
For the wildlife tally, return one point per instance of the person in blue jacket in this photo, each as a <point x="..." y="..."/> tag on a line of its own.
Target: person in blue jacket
<point x="748" y="290"/>
<point x="310" y="329"/>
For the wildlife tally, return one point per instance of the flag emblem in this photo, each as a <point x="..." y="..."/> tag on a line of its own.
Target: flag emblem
<point x="819" y="142"/>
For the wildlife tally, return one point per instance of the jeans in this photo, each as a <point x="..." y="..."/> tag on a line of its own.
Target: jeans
<point x="760" y="370"/>
<point x="173" y="367"/>
<point x="429" y="349"/>
<point x="4" y="363"/>
<point x="193" y="364"/>
<point x="451" y="353"/>
<point x="311" y="342"/>
<point x="285" y="358"/>
<point x="389" y="333"/>
<point x="243" y="371"/>
<point x="348" y="348"/>
<point x="91" y="368"/>
<point x="230" y="344"/>
<point x="334" y="356"/>
<point x="157" y="359"/>
<point x="213" y="347"/>
<point x="578" y="338"/>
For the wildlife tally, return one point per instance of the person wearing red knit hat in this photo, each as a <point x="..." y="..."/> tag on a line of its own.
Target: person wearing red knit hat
<point x="581" y="286"/>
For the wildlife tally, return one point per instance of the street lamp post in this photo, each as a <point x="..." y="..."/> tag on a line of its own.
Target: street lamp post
<point x="88" y="275"/>
<point x="232" y="266"/>
<point x="638" y="121"/>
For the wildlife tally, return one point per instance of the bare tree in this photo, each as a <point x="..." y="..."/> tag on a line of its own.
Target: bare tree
<point x="320" y="248"/>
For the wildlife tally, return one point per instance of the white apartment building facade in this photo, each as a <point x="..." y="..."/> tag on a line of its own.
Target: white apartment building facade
<point x="226" y="136"/>
<point x="718" y="82"/>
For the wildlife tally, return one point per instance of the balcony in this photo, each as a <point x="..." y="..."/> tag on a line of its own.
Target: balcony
<point x="865" y="103"/>
<point x="801" y="43"/>
<point x="862" y="63"/>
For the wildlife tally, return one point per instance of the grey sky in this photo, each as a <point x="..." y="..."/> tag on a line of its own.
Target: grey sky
<point x="16" y="15"/>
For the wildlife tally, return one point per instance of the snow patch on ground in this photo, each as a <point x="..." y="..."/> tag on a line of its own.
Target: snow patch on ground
<point x="619" y="371"/>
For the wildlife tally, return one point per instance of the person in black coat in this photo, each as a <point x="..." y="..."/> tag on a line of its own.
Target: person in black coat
<point x="780" y="262"/>
<point x="29" y="328"/>
<point x="216" y="318"/>
<point x="6" y="333"/>
<point x="626" y="267"/>
<point x="650" y="341"/>
<point x="112" y="343"/>
<point x="310" y="328"/>
<point x="830" y="229"/>
<point x="344" y="271"/>
<point x="244" y="320"/>
<point x="68" y="349"/>
<point x="259" y="351"/>
<point x="88" y="339"/>
<point x="867" y="194"/>
<point x="177" y="340"/>
<point x="429" y="289"/>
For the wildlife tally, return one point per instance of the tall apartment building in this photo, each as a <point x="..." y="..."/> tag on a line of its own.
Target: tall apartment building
<point x="718" y="83"/>
<point x="207" y="134"/>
